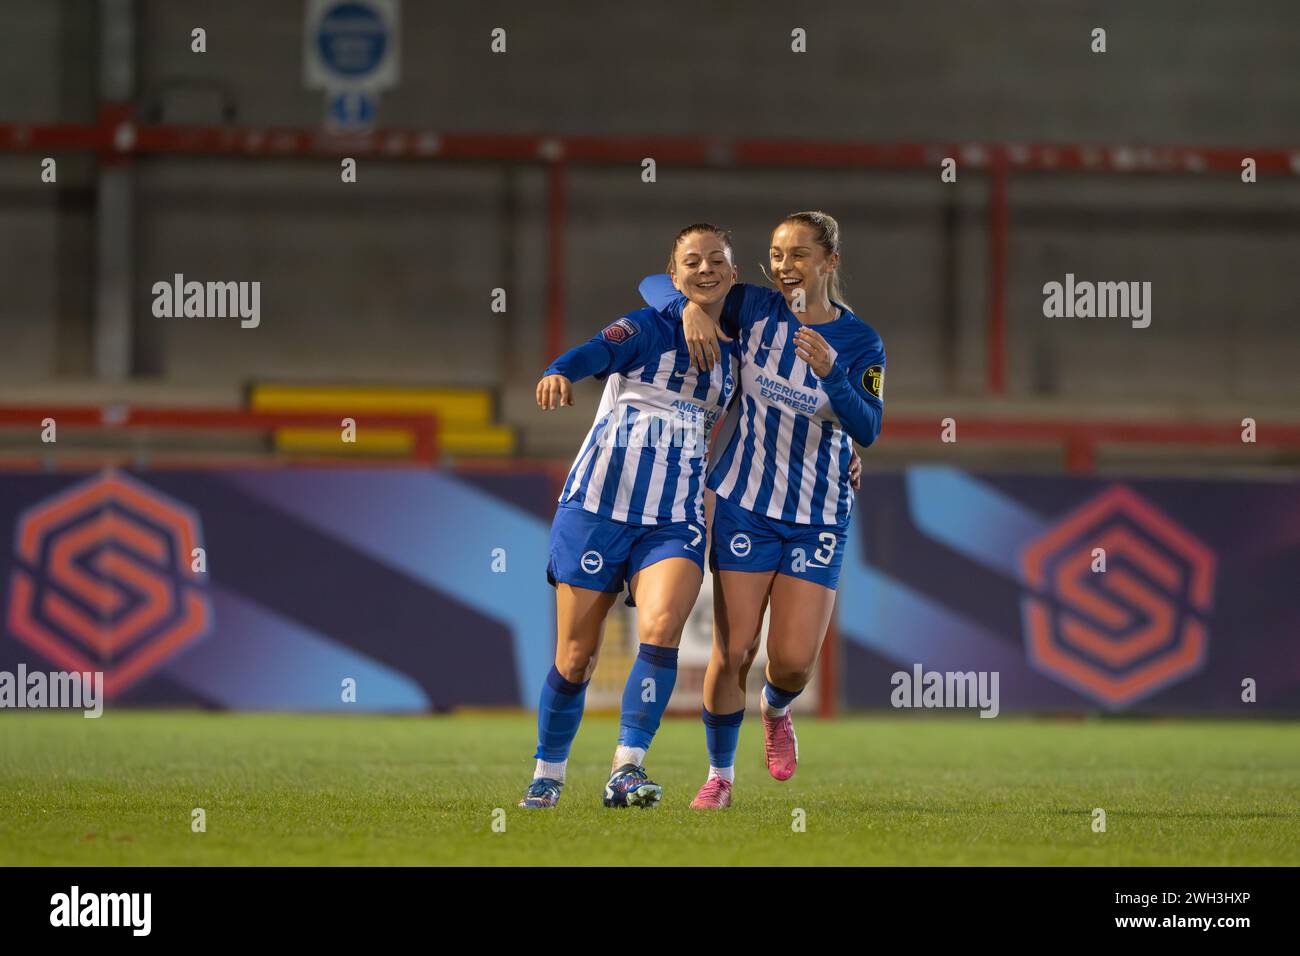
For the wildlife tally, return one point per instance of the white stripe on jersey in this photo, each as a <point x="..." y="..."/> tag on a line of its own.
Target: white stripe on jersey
<point x="759" y="461"/>
<point x="658" y="475"/>
<point x="833" y="478"/>
<point x="598" y="463"/>
<point x="812" y="446"/>
<point x="590" y="448"/>
<point x="784" y="438"/>
<point x="728" y="483"/>
<point x="637" y="438"/>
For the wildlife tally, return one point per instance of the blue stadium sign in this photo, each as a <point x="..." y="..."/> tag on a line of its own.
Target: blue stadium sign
<point x="351" y="44"/>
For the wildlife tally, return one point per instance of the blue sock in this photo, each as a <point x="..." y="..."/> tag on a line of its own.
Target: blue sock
<point x="721" y="734"/>
<point x="778" y="698"/>
<point x="654" y="672"/>
<point x="558" y="714"/>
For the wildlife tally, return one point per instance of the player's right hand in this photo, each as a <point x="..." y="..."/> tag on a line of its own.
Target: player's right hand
<point x="554" y="391"/>
<point x="702" y="336"/>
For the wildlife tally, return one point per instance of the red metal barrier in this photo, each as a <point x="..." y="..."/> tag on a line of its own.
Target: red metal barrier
<point x="998" y="270"/>
<point x="556" y="217"/>
<point x="423" y="429"/>
<point x="1080" y="439"/>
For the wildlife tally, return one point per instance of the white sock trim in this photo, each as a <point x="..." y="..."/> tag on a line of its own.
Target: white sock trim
<point x="553" y="770"/>
<point x="726" y="773"/>
<point x="632" y="755"/>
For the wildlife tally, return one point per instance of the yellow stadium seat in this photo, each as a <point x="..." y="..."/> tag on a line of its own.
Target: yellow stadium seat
<point x="453" y="406"/>
<point x="464" y="415"/>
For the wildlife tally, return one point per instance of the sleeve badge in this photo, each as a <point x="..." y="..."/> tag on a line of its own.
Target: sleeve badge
<point x="619" y="331"/>
<point x="873" y="380"/>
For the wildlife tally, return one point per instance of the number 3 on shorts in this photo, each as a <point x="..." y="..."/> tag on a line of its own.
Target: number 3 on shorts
<point x="824" y="554"/>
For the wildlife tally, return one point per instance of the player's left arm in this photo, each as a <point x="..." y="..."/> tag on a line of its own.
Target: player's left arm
<point x="855" y="388"/>
<point x="623" y="344"/>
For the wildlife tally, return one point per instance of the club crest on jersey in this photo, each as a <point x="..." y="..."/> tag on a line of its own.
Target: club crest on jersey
<point x="592" y="562"/>
<point x="873" y="380"/>
<point x="619" y="331"/>
<point x="740" y="544"/>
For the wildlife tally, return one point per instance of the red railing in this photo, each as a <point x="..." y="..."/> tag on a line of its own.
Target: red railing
<point x="1081" y="439"/>
<point x="1078" y="439"/>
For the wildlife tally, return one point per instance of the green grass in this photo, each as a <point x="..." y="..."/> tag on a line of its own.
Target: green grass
<point x="875" y="790"/>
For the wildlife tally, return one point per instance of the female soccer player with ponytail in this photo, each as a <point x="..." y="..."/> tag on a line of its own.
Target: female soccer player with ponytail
<point x="632" y="508"/>
<point x="811" y="382"/>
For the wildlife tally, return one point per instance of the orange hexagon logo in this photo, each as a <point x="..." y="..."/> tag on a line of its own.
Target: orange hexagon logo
<point x="1121" y="634"/>
<point x="102" y="579"/>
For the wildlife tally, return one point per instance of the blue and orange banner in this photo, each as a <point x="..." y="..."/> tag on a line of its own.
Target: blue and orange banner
<point x="269" y="589"/>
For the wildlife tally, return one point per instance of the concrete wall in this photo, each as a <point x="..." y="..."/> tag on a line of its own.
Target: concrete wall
<point x="391" y="278"/>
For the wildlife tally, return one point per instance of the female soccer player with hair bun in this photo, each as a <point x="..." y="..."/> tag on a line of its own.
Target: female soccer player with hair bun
<point x="811" y="382"/>
<point x="632" y="509"/>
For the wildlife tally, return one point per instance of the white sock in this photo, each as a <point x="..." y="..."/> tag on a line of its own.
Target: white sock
<point x="768" y="711"/>
<point x="726" y="773"/>
<point x="553" y="770"/>
<point x="632" y="755"/>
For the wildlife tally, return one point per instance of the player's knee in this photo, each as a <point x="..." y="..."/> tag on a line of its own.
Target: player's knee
<point x="730" y="658"/>
<point x="789" y="671"/>
<point x="736" y="656"/>
<point x="660" y="626"/>
<point x="575" y="665"/>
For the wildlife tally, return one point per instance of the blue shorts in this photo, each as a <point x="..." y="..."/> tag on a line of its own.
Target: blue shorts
<point x="747" y="541"/>
<point x="588" y="551"/>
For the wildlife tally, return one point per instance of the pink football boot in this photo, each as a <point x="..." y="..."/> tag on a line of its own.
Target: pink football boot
<point x="714" y="795"/>
<point x="780" y="746"/>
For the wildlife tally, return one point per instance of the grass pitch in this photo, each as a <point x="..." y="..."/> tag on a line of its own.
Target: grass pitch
<point x="281" y="789"/>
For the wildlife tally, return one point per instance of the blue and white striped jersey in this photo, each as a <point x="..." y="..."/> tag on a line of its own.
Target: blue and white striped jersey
<point x="788" y="457"/>
<point x="644" y="458"/>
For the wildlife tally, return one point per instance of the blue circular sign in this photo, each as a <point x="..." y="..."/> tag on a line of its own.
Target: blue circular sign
<point x="352" y="39"/>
